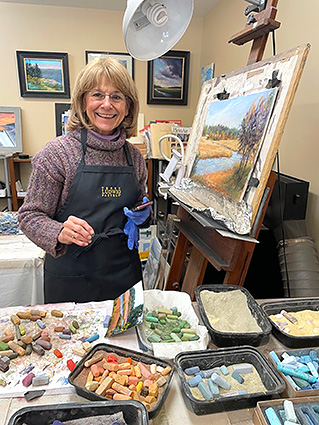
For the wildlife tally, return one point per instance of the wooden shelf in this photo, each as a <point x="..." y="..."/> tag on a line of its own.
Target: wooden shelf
<point x="14" y="171"/>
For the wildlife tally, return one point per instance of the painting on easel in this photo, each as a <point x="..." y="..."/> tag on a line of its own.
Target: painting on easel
<point x="222" y="129"/>
<point x="231" y="139"/>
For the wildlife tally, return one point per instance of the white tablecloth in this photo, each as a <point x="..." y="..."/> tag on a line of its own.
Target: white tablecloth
<point x="21" y="271"/>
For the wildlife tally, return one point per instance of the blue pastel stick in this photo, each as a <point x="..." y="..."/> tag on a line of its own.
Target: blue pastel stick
<point x="272" y="417"/>
<point x="238" y="377"/>
<point x="274" y="356"/>
<point x="205" y="391"/>
<point x="291" y="372"/>
<point x="93" y="338"/>
<point x="224" y="370"/>
<point x="106" y="321"/>
<point x="213" y="387"/>
<point x="191" y="370"/>
<point x="193" y="382"/>
<point x="218" y="380"/>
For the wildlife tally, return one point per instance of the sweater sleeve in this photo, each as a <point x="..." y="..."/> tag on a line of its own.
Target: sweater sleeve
<point x="41" y="203"/>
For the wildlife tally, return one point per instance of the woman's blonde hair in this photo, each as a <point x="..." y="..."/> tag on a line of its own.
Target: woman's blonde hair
<point x="96" y="72"/>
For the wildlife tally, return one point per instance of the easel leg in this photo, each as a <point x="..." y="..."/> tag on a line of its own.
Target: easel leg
<point x="178" y="263"/>
<point x="195" y="272"/>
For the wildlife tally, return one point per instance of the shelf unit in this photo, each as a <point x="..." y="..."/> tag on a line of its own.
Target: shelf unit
<point x="14" y="172"/>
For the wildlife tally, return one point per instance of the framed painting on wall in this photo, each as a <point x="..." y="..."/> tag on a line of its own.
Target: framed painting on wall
<point x="167" y="79"/>
<point x="124" y="58"/>
<point x="10" y="130"/>
<point x="43" y="74"/>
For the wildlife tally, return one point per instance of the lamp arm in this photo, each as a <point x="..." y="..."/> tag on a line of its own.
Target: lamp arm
<point x="178" y="140"/>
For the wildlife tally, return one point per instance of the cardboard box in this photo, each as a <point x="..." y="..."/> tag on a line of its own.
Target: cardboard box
<point x="259" y="417"/>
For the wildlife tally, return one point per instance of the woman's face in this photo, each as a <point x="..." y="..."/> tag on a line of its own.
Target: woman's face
<point x="106" y="107"/>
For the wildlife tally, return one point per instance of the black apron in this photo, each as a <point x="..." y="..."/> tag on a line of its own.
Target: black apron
<point x="105" y="268"/>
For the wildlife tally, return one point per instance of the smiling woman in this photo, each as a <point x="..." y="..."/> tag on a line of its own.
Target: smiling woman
<point x="105" y="111"/>
<point x="82" y="187"/>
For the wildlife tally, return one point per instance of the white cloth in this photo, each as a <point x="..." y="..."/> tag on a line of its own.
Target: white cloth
<point x="167" y="299"/>
<point x="21" y="271"/>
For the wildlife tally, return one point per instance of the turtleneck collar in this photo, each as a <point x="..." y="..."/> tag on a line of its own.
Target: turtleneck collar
<point x="106" y="143"/>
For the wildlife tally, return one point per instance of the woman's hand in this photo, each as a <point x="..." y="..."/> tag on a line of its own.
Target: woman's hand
<point x="75" y="230"/>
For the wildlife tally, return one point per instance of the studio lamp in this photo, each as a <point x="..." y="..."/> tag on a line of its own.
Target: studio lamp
<point x="151" y="28"/>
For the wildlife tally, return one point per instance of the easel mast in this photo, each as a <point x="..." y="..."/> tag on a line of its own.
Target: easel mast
<point x="227" y="254"/>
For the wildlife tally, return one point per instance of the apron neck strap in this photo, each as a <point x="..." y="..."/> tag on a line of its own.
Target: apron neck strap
<point x="127" y="154"/>
<point x="84" y="133"/>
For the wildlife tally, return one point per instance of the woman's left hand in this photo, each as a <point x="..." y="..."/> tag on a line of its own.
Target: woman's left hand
<point x="77" y="231"/>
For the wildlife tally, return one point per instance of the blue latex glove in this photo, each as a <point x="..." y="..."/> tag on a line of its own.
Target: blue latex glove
<point x="138" y="217"/>
<point x="131" y="230"/>
<point x="134" y="219"/>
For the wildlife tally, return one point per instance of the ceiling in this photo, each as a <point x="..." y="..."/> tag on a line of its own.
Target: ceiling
<point x="201" y="7"/>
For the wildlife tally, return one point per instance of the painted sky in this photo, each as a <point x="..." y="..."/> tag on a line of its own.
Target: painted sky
<point x="168" y="72"/>
<point x="45" y="64"/>
<point x="230" y="112"/>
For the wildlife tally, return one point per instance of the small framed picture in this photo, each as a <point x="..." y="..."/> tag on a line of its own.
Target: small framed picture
<point x="167" y="79"/>
<point x="43" y="74"/>
<point x="124" y="58"/>
<point x="61" y="115"/>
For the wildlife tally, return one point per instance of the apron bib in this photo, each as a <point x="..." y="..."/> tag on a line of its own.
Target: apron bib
<point x="106" y="268"/>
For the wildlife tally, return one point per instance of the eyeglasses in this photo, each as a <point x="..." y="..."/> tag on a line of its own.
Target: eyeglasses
<point x="113" y="97"/>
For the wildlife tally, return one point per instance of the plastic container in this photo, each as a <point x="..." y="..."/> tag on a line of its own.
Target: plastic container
<point x="225" y="339"/>
<point x="134" y="412"/>
<point x="228" y="356"/>
<point x="139" y="357"/>
<point x="303" y="407"/>
<point x="289" y="390"/>
<point x="291" y="341"/>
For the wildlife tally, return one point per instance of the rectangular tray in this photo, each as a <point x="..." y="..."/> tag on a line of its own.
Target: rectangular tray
<point x="260" y="419"/>
<point x="140" y="357"/>
<point x="134" y="412"/>
<point x="292" y="305"/>
<point x="227" y="356"/>
<point x="224" y="339"/>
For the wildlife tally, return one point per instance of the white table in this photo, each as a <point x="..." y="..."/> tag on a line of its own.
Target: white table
<point x="21" y="271"/>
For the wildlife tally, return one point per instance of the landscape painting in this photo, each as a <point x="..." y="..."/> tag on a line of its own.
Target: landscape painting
<point x="230" y="142"/>
<point x="43" y="74"/>
<point x="168" y="79"/>
<point x="10" y="130"/>
<point x="7" y="129"/>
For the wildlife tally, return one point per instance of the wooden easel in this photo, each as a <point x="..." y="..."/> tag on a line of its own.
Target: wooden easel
<point x="231" y="255"/>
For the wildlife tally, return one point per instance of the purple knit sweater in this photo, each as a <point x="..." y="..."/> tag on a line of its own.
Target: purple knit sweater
<point x="53" y="170"/>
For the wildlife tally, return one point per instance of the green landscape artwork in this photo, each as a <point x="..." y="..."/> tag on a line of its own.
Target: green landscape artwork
<point x="168" y="78"/>
<point x="231" y="139"/>
<point x="43" y="75"/>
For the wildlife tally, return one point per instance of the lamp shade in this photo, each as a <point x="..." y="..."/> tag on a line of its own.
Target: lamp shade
<point x="151" y="27"/>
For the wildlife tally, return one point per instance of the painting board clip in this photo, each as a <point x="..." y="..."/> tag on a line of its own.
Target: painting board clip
<point x="253" y="182"/>
<point x="274" y="81"/>
<point x="223" y="95"/>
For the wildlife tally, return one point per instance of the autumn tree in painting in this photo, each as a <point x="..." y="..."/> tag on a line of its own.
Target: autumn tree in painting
<point x="251" y="131"/>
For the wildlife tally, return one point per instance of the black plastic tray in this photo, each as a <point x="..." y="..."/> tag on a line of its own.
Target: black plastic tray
<point x="134" y="412"/>
<point x="228" y="356"/>
<point x="140" y="357"/>
<point x="226" y="339"/>
<point x="292" y="305"/>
